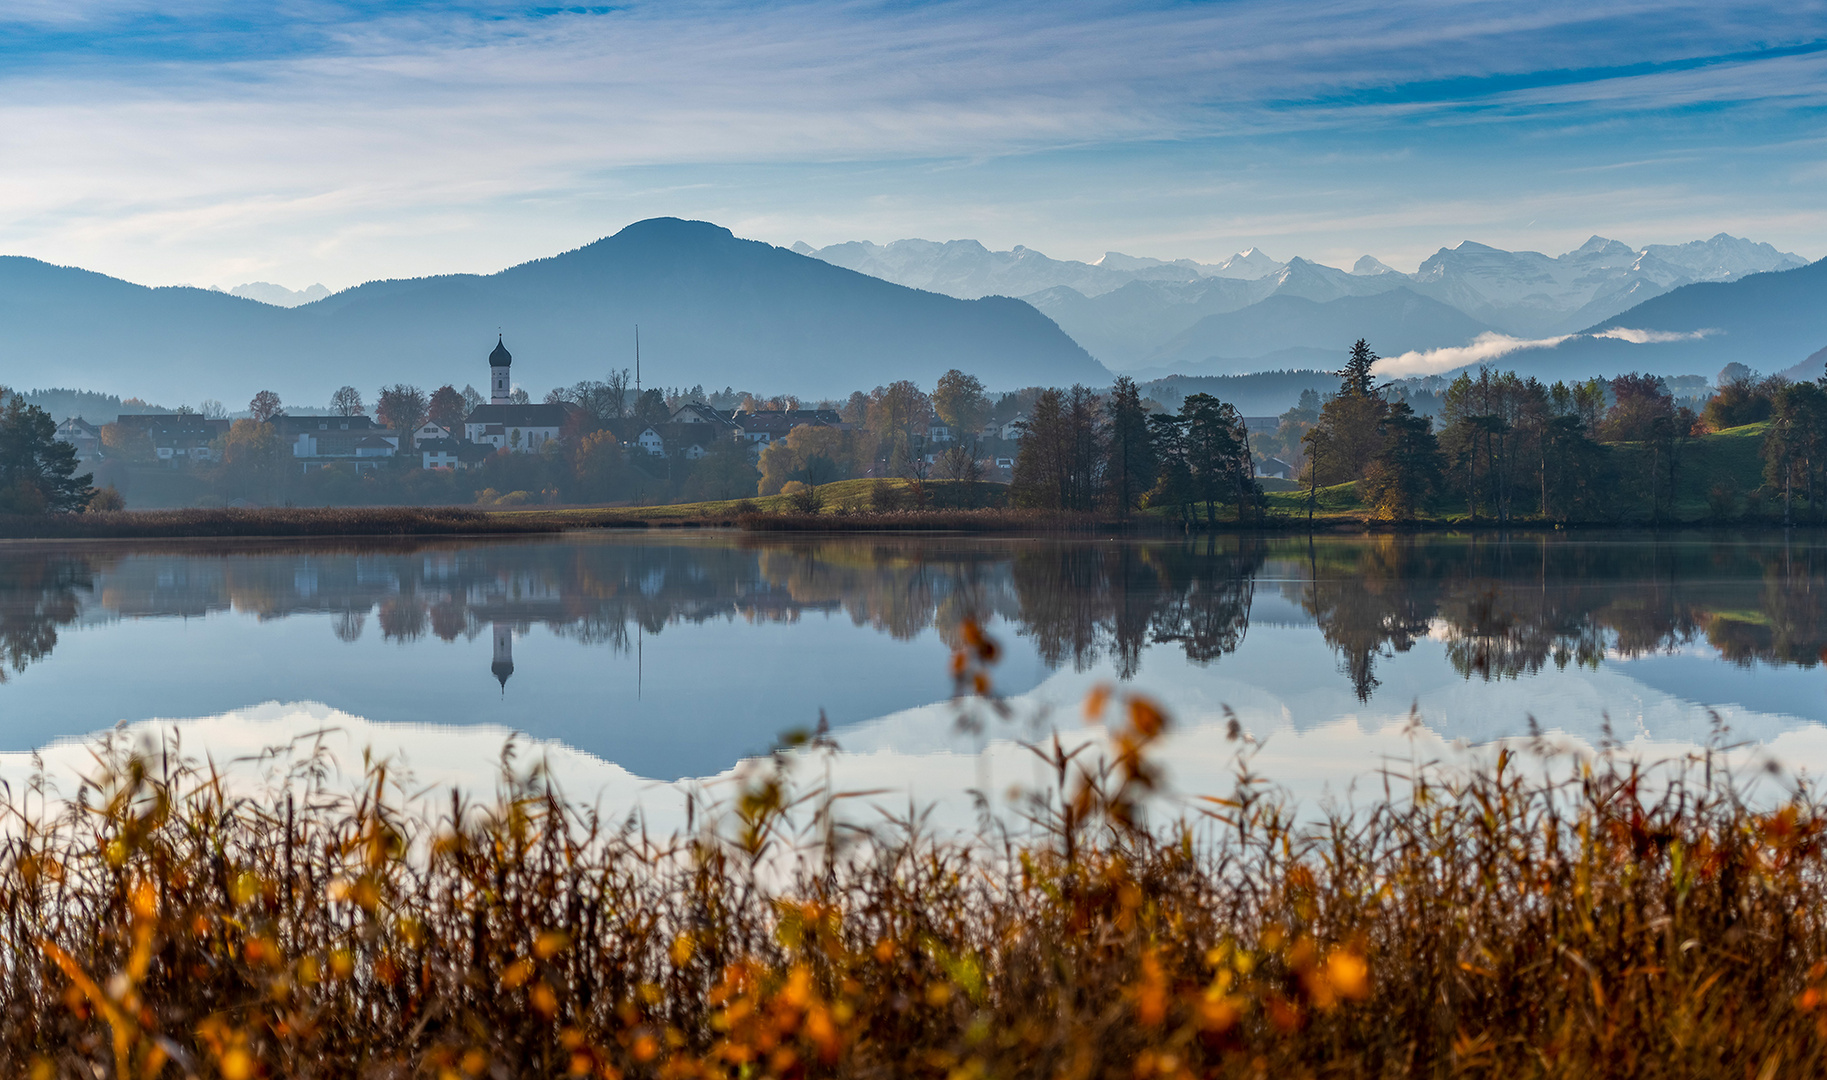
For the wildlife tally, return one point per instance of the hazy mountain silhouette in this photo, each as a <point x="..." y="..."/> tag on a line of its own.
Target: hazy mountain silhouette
<point x="712" y="309"/>
<point x="1769" y="322"/>
<point x="1395" y="321"/>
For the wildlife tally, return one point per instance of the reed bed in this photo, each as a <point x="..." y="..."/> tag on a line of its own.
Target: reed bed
<point x="981" y="520"/>
<point x="270" y="521"/>
<point x="1565" y="919"/>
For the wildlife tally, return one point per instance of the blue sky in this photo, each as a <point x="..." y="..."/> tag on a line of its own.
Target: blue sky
<point x="299" y="141"/>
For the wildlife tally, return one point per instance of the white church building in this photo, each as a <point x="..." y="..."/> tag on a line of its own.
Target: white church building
<point x="522" y="429"/>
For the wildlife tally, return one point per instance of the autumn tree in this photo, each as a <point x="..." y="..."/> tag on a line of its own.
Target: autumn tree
<point x="897" y="418"/>
<point x="959" y="400"/>
<point x="402" y="408"/>
<point x="446" y="409"/>
<point x="810" y="453"/>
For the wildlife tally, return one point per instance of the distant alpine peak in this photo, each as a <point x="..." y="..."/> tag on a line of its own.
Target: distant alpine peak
<point x="1370" y="266"/>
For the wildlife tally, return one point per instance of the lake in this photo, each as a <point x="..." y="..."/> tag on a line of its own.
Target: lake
<point x="634" y="661"/>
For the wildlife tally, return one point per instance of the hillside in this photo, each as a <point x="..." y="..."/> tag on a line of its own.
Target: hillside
<point x="1769" y="322"/>
<point x="712" y="309"/>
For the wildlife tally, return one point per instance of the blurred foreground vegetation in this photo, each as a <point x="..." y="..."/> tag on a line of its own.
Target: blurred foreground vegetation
<point x="1539" y="916"/>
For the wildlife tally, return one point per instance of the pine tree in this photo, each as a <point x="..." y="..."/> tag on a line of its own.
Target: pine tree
<point x="1130" y="467"/>
<point x="1357" y="381"/>
<point x="1405" y="473"/>
<point x="37" y="470"/>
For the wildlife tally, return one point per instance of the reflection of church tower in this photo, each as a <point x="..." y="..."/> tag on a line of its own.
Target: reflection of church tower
<point x="504" y="654"/>
<point x="498" y="362"/>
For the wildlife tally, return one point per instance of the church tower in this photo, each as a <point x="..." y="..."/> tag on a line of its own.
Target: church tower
<point x="499" y="387"/>
<point x="504" y="654"/>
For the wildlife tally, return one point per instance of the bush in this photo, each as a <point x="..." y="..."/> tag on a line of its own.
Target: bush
<point x="884" y="497"/>
<point x="806" y="500"/>
<point x="515" y="498"/>
<point x="106" y="501"/>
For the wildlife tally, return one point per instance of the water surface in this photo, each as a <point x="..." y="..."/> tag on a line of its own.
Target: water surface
<point x="676" y="655"/>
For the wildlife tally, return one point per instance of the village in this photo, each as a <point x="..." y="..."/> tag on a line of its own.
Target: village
<point x="461" y="432"/>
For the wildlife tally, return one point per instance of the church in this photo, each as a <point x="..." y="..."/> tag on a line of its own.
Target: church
<point x="504" y="425"/>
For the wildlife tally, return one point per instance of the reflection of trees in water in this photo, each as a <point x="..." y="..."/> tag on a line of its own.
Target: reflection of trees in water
<point x="1077" y="601"/>
<point x="38" y="594"/>
<point x="1373" y="599"/>
<point x="1788" y="625"/>
<point x="1501" y="607"/>
<point x="1510" y="607"/>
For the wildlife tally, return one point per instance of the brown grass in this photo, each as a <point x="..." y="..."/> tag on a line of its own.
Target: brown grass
<point x="983" y="521"/>
<point x="1578" y="920"/>
<point x="343" y="521"/>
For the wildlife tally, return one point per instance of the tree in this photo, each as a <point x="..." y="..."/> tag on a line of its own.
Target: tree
<point x="1131" y="467"/>
<point x="726" y="471"/>
<point x="1060" y="463"/>
<point x="812" y="454"/>
<point x="958" y="463"/>
<point x="650" y="409"/>
<point x="1795" y="445"/>
<point x="897" y="418"/>
<point x="1405" y="474"/>
<point x="1742" y="398"/>
<point x="251" y="458"/>
<point x="347" y="401"/>
<point x="1638" y="402"/>
<point x="37" y="470"/>
<point x="615" y="395"/>
<point x="1218" y="455"/>
<point x="598" y="472"/>
<point x="446" y="409"/>
<point x="1355" y="375"/>
<point x="402" y="408"/>
<point x="264" y="406"/>
<point x="213" y="409"/>
<point x="1174" y="479"/>
<point x="960" y="402"/>
<point x="471" y="399"/>
<point x="519" y="396"/>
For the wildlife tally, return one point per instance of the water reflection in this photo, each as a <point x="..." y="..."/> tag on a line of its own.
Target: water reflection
<point x="797" y="617"/>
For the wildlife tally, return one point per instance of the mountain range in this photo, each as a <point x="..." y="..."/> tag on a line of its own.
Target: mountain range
<point x="712" y="309"/>
<point x="1155" y="316"/>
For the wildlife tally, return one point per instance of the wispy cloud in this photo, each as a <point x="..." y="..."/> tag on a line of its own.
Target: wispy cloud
<point x="1483" y="349"/>
<point x="158" y="138"/>
<point x="1488" y="348"/>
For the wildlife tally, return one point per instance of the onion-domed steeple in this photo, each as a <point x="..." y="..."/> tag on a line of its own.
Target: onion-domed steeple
<point x="500" y="385"/>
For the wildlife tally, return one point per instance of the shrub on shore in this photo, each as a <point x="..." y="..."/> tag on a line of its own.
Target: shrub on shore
<point x="1605" y="922"/>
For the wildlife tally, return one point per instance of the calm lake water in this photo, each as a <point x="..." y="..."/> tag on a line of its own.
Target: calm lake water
<point x="658" y="656"/>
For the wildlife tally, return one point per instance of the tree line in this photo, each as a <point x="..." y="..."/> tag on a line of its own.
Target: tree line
<point x="1082" y="451"/>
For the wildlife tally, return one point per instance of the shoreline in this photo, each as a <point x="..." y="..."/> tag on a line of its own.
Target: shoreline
<point x="433" y="522"/>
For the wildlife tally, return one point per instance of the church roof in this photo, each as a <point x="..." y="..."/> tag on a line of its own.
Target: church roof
<point x="528" y="415"/>
<point x="500" y="357"/>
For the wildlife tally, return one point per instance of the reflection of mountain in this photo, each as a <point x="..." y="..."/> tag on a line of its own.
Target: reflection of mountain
<point x="1502" y="608"/>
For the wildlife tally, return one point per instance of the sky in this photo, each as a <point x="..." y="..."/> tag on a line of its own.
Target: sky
<point x="301" y="141"/>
